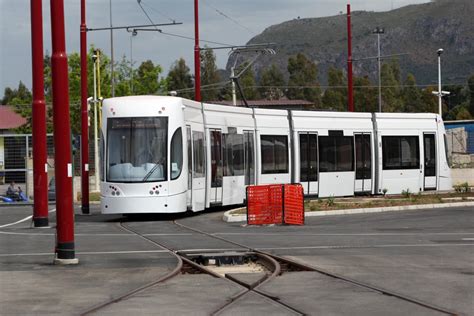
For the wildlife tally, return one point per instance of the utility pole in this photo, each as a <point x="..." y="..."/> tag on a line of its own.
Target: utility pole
<point x="84" y="116"/>
<point x="96" y="57"/>
<point x="112" y="51"/>
<point x="379" y="31"/>
<point x="40" y="164"/>
<point x="134" y="33"/>
<point x="350" y="87"/>
<point x="197" y="54"/>
<point x="65" y="253"/>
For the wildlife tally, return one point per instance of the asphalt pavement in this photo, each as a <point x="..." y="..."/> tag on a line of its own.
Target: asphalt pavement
<point x="426" y="255"/>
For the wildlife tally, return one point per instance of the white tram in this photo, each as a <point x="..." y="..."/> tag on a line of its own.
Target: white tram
<point x="167" y="154"/>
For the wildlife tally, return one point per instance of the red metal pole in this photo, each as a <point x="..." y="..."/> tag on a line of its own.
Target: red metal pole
<point x="40" y="166"/>
<point x="197" y="56"/>
<point x="350" y="87"/>
<point x="62" y="138"/>
<point x="84" y="115"/>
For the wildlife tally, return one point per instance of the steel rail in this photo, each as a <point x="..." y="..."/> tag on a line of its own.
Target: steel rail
<point x="140" y="289"/>
<point x="305" y="267"/>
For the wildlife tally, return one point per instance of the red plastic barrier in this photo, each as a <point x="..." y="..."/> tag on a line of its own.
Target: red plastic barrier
<point x="264" y="204"/>
<point x="275" y="204"/>
<point x="293" y="207"/>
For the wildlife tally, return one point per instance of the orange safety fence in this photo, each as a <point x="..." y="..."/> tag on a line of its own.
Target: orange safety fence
<point x="293" y="206"/>
<point x="263" y="203"/>
<point x="275" y="204"/>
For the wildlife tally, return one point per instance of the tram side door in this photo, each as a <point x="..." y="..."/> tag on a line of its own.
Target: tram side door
<point x="189" y="146"/>
<point x="198" y="171"/>
<point x="363" y="178"/>
<point x="249" y="157"/>
<point x="309" y="162"/>
<point x="215" y="196"/>
<point x="429" y="150"/>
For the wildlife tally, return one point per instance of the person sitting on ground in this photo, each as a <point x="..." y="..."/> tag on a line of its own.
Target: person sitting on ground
<point x="14" y="192"/>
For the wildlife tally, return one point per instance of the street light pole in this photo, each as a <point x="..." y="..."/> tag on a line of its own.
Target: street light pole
<point x="440" y="93"/>
<point x="379" y="31"/>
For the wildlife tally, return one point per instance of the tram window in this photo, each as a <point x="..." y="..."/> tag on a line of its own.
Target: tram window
<point x="446" y="155"/>
<point x="233" y="155"/>
<point x="137" y="149"/>
<point x="274" y="150"/>
<point x="176" y="154"/>
<point x="101" y="158"/>
<point x="400" y="152"/>
<point x="216" y="158"/>
<point x="198" y="150"/>
<point x="336" y="153"/>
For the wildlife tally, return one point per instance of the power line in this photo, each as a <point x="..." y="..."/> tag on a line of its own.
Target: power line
<point x="229" y="18"/>
<point x="210" y="86"/>
<point x="173" y="34"/>
<point x="156" y="11"/>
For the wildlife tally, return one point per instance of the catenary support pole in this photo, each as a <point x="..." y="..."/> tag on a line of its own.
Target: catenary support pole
<point x="65" y="250"/>
<point x="197" y="57"/>
<point x="84" y="116"/>
<point x="112" y="74"/>
<point x="350" y="88"/>
<point x="40" y="165"/>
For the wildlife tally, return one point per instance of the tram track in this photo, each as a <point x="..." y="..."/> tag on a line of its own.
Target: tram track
<point x="292" y="265"/>
<point x="185" y="265"/>
<point x="275" y="264"/>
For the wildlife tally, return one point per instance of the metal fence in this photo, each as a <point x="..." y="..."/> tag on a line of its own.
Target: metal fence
<point x="16" y="161"/>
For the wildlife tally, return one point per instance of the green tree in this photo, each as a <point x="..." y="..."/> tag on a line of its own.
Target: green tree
<point x="335" y="96"/>
<point x="123" y="76"/>
<point x="411" y="95"/>
<point x="429" y="101"/>
<point x="20" y="99"/>
<point x="470" y="83"/>
<point x="303" y="80"/>
<point x="365" y="95"/>
<point x="247" y="82"/>
<point x="180" y="78"/>
<point x="209" y="76"/>
<point x="391" y="93"/>
<point x="271" y="83"/>
<point x="148" y="78"/>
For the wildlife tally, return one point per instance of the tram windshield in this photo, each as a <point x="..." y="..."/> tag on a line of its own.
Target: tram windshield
<point x="137" y="149"/>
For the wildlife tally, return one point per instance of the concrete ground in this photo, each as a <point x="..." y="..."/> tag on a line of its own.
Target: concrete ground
<point x="427" y="255"/>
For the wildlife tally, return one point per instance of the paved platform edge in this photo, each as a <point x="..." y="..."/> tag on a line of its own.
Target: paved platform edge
<point x="227" y="217"/>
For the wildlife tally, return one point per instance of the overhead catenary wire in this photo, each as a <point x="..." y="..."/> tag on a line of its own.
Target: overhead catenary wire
<point x="174" y="34"/>
<point x="321" y="87"/>
<point x="156" y="11"/>
<point x="228" y="17"/>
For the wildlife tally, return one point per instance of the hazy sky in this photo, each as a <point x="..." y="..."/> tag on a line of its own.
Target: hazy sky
<point x="245" y="19"/>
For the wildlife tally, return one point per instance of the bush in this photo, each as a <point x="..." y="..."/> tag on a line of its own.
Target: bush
<point x="462" y="187"/>
<point x="406" y="193"/>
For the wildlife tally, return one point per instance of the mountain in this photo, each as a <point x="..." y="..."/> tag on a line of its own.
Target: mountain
<point x="415" y="30"/>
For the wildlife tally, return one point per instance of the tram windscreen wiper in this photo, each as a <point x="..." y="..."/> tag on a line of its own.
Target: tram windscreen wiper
<point x="148" y="175"/>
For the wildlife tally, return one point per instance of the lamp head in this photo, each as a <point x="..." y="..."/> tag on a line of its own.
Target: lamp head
<point x="440" y="51"/>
